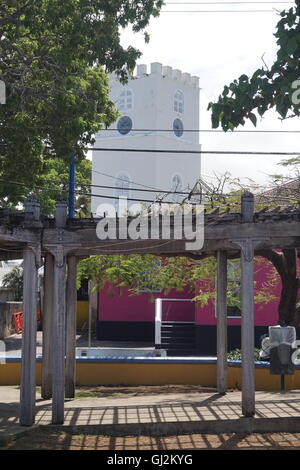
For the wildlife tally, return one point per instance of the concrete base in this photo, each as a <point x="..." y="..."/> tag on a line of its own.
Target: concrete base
<point x="91" y="353"/>
<point x="134" y="412"/>
<point x="242" y="425"/>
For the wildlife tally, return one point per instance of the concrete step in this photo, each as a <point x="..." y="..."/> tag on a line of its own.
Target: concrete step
<point x="178" y="339"/>
<point x="184" y="345"/>
<point x="181" y="352"/>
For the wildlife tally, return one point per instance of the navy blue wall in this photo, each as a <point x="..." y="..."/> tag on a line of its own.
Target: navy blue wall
<point x="205" y="335"/>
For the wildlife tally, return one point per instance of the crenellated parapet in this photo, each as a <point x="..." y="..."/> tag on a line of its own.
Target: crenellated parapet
<point x="156" y="69"/>
<point x="165" y="71"/>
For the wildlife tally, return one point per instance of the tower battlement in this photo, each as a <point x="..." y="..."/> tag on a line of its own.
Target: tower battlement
<point x="156" y="68"/>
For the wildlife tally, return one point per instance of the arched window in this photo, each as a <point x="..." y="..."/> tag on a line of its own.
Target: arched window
<point x="176" y="186"/>
<point x="179" y="102"/>
<point x="125" y="100"/>
<point x="122" y="184"/>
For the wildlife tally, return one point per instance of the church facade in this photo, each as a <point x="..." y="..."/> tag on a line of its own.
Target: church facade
<point x="159" y="111"/>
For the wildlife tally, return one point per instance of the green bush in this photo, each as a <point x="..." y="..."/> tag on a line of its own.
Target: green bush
<point x="236" y="355"/>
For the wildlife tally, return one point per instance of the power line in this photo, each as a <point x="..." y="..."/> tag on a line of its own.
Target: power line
<point x="149" y="189"/>
<point x="213" y="131"/>
<point x="226" y="3"/>
<point x="192" y="152"/>
<point x="200" y="181"/>
<point x="133" y="182"/>
<point x="114" y="187"/>
<point x="18" y="183"/>
<point x="218" y="11"/>
<point x="140" y="200"/>
<point x="142" y="190"/>
<point x="187" y="152"/>
<point x="233" y="3"/>
<point x="125" y="242"/>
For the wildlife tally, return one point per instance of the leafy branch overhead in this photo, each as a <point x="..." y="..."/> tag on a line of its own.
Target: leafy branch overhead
<point x="45" y="41"/>
<point x="55" y="57"/>
<point x="268" y="88"/>
<point x="247" y="98"/>
<point x="148" y="274"/>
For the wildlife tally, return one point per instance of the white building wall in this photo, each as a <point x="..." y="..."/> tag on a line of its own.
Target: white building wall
<point x="153" y="111"/>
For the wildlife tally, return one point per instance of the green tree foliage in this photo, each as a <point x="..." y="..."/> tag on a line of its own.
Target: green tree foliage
<point x="268" y="88"/>
<point x="54" y="60"/>
<point x="148" y="273"/>
<point x="14" y="281"/>
<point x="53" y="183"/>
<point x="249" y="97"/>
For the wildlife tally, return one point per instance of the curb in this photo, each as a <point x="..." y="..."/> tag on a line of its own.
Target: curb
<point x="242" y="425"/>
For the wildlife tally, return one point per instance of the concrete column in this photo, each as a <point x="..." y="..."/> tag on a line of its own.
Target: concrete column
<point x="247" y="306"/>
<point x="221" y="311"/>
<point x="248" y="371"/>
<point x="28" y="376"/>
<point x="247" y="246"/>
<point x="247" y="207"/>
<point x="59" y="317"/>
<point x="71" y="328"/>
<point x="47" y="326"/>
<point x="58" y="336"/>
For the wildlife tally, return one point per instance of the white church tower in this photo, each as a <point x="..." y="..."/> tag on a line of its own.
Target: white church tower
<point x="159" y="111"/>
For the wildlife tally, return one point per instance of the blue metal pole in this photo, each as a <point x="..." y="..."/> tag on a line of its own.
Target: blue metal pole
<point x="72" y="187"/>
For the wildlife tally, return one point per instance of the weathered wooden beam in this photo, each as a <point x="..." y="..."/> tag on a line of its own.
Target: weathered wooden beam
<point x="247" y="333"/>
<point x="28" y="376"/>
<point x="247" y="297"/>
<point x="221" y="312"/>
<point x="58" y="336"/>
<point x="32" y="211"/>
<point x="71" y="328"/>
<point x="47" y="326"/>
<point x="247" y="207"/>
<point x="280" y="234"/>
<point x="247" y="282"/>
<point x="59" y="318"/>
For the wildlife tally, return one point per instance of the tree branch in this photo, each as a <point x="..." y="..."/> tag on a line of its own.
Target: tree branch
<point x="277" y="259"/>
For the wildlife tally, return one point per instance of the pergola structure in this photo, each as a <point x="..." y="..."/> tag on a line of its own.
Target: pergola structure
<point x="62" y="241"/>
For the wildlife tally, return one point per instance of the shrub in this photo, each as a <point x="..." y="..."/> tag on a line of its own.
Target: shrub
<point x="236" y="355"/>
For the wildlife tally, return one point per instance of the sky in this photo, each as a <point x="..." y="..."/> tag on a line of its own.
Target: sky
<point x="219" y="47"/>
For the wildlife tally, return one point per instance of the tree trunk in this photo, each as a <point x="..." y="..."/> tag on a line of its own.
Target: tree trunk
<point x="289" y="291"/>
<point x="288" y="302"/>
<point x="285" y="264"/>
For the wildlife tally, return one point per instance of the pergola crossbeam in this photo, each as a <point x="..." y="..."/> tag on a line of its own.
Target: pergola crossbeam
<point x="62" y="241"/>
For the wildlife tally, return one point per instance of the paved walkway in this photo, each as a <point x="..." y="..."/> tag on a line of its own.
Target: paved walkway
<point x="48" y="439"/>
<point x="163" y="414"/>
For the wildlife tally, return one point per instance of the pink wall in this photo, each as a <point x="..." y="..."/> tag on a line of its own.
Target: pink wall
<point x="113" y="307"/>
<point x="264" y="314"/>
